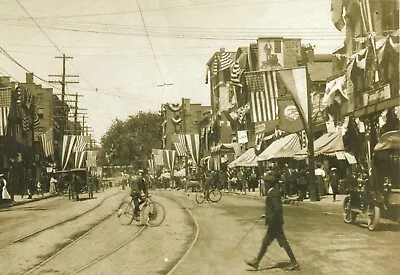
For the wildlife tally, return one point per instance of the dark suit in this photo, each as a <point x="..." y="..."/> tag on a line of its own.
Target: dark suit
<point x="274" y="221"/>
<point x="273" y="208"/>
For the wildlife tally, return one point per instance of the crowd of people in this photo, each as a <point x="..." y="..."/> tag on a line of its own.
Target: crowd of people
<point x="69" y="183"/>
<point x="294" y="179"/>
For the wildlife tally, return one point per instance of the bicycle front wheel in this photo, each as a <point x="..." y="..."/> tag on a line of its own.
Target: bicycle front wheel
<point x="200" y="197"/>
<point x="156" y="213"/>
<point x="125" y="213"/>
<point x="215" y="195"/>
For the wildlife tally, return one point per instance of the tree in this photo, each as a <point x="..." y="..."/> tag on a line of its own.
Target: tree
<point x="130" y="142"/>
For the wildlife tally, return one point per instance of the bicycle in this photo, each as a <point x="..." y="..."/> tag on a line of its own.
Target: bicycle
<point x="155" y="212"/>
<point x="213" y="195"/>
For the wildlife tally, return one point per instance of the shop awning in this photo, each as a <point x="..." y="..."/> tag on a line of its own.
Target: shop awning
<point x="226" y="148"/>
<point x="282" y="148"/>
<point x="389" y="140"/>
<point x="246" y="159"/>
<point x="329" y="144"/>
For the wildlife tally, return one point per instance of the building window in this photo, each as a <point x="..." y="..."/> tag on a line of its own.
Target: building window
<point x="277" y="46"/>
<point x="40" y="113"/>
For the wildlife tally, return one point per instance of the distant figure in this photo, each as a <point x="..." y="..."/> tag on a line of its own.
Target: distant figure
<point x="90" y="185"/>
<point x="334" y="182"/>
<point x="77" y="183"/>
<point x="320" y="177"/>
<point x="53" y="183"/>
<point x="39" y="188"/>
<point x="4" y="194"/>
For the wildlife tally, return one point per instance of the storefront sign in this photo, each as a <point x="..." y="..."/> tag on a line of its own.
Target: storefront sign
<point x="242" y="137"/>
<point x="377" y="95"/>
<point x="259" y="128"/>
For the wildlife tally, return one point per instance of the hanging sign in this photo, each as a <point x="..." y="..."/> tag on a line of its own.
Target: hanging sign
<point x="242" y="137"/>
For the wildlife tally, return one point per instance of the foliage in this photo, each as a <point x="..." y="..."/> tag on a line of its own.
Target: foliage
<point x="130" y="142"/>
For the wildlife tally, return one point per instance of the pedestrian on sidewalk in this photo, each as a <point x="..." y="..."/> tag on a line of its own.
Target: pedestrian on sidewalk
<point x="53" y="188"/>
<point x="39" y="188"/>
<point x="334" y="182"/>
<point x="5" y="196"/>
<point x="253" y="180"/>
<point x="274" y="221"/>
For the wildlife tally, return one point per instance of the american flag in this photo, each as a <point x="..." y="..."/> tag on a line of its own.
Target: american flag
<point x="46" y="142"/>
<point x="263" y="89"/>
<point x="238" y="68"/>
<point x="5" y="105"/>
<point x="225" y="60"/>
<point x="80" y="143"/>
<point x="215" y="65"/>
<point x="180" y="149"/>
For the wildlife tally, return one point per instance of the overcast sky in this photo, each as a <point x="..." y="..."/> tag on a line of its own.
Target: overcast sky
<point x="119" y="72"/>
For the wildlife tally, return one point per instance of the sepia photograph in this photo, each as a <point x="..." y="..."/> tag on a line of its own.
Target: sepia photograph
<point x="209" y="137"/>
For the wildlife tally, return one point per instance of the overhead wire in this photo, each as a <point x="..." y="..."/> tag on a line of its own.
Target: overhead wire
<point x="34" y="21"/>
<point x="54" y="44"/>
<point x="151" y="44"/>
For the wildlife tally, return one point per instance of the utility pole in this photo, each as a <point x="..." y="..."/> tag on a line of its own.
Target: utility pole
<point x="184" y="134"/>
<point x="63" y="83"/>
<point x="83" y="124"/>
<point x="314" y="190"/>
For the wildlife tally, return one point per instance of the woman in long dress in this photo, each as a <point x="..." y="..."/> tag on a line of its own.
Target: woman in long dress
<point x="4" y="194"/>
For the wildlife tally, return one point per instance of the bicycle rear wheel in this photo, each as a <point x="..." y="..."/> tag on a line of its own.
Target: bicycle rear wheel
<point x="125" y="213"/>
<point x="156" y="213"/>
<point x="200" y="197"/>
<point x="215" y="195"/>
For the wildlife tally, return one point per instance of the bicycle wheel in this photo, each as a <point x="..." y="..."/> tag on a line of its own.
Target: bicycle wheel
<point x="215" y="195"/>
<point x="125" y="213"/>
<point x="200" y="197"/>
<point x="156" y="213"/>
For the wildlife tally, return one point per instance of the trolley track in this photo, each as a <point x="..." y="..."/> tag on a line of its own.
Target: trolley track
<point x="32" y="234"/>
<point x="167" y="270"/>
<point x="178" y="261"/>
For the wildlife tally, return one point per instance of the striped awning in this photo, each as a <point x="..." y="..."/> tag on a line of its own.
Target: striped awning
<point x="281" y="148"/>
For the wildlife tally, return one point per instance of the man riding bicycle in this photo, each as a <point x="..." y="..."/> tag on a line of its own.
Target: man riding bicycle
<point x="137" y="187"/>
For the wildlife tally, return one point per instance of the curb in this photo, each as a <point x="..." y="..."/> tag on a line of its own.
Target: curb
<point x="4" y="205"/>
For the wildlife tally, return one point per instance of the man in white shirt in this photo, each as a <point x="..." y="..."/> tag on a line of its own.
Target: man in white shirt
<point x="53" y="182"/>
<point x="320" y="177"/>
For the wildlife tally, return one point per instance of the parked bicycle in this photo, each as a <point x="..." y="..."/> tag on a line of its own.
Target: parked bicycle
<point x="154" y="211"/>
<point x="213" y="195"/>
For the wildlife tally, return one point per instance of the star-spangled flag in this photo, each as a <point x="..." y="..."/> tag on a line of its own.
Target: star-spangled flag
<point x="263" y="88"/>
<point x="180" y="149"/>
<point x="80" y="143"/>
<point x="5" y="105"/>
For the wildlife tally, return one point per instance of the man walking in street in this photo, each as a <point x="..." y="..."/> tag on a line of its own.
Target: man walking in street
<point x="274" y="221"/>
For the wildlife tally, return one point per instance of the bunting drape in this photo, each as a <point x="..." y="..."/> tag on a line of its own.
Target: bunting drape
<point x="169" y="159"/>
<point x="193" y="144"/>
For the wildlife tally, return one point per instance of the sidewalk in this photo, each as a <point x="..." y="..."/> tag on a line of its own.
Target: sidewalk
<point x="325" y="200"/>
<point x="18" y="200"/>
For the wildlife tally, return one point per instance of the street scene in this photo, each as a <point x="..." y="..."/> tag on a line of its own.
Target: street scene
<point x="199" y="137"/>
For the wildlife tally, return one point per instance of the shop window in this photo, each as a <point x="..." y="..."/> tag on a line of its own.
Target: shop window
<point x="277" y="46"/>
<point x="40" y="113"/>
